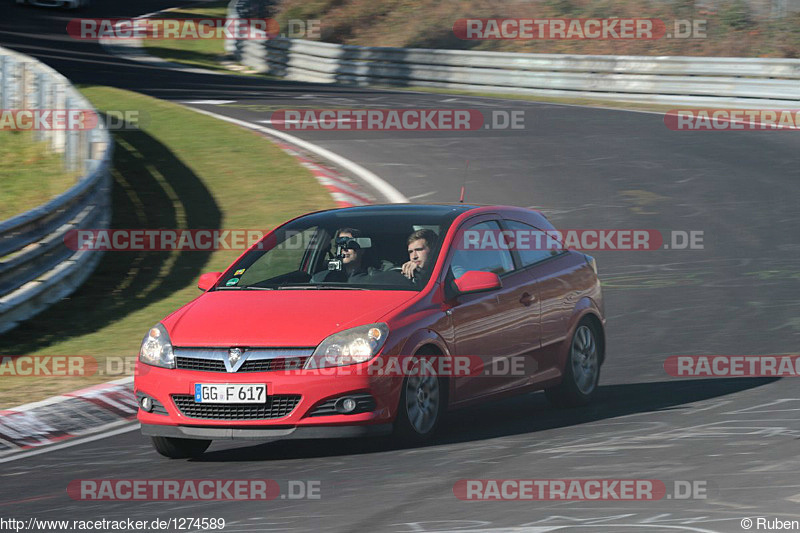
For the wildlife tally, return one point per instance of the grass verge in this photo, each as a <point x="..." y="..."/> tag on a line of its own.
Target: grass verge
<point x="182" y="170"/>
<point x="204" y="53"/>
<point x="30" y="175"/>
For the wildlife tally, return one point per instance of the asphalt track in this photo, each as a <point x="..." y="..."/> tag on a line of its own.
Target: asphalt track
<point x="586" y="168"/>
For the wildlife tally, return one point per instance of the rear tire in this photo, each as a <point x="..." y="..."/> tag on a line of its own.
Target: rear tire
<point x="180" y="448"/>
<point x="581" y="370"/>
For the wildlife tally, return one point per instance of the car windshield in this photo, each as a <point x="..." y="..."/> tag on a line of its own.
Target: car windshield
<point x="360" y="248"/>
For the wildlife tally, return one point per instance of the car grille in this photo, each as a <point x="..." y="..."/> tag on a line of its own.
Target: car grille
<point x="258" y="365"/>
<point x="364" y="404"/>
<point x="276" y="406"/>
<point x="205" y="365"/>
<point x="256" y="359"/>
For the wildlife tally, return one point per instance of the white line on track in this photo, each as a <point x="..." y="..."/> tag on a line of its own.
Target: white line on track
<point x="210" y="102"/>
<point x="304" y="122"/>
<point x="423" y="195"/>
<point x="384" y="188"/>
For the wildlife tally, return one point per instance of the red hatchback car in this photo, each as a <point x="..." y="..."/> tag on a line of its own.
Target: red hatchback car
<point x="297" y="339"/>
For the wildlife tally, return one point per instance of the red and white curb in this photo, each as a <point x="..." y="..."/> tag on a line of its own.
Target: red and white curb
<point x="343" y="190"/>
<point x="95" y="409"/>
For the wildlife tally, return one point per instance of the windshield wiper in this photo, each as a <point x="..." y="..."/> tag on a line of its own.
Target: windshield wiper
<point x="290" y="288"/>
<point x="246" y="288"/>
<point x="319" y="287"/>
<point x="342" y="288"/>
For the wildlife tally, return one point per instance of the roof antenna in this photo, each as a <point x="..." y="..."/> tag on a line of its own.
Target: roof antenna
<point x="464" y="187"/>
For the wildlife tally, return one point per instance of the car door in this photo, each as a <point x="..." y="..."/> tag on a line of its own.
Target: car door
<point x="552" y="270"/>
<point x="499" y="327"/>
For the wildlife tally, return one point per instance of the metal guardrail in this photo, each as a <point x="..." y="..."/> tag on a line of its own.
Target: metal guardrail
<point x="36" y="267"/>
<point x="750" y="82"/>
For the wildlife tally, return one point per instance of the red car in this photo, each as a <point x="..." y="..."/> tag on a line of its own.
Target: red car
<point x="371" y="320"/>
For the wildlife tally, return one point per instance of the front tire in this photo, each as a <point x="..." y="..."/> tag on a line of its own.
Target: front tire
<point x="180" y="448"/>
<point x="422" y="404"/>
<point x="581" y="370"/>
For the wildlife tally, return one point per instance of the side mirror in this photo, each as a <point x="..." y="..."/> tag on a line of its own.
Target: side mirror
<point x="477" y="281"/>
<point x="208" y="280"/>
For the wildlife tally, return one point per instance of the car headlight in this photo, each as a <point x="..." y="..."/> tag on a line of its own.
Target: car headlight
<point x="156" y="348"/>
<point x="350" y="347"/>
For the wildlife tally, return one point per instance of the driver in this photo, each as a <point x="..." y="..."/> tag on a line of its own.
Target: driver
<point x="353" y="265"/>
<point x="420" y="244"/>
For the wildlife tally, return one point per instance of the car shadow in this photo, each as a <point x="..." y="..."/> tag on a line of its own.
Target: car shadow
<point x="528" y="413"/>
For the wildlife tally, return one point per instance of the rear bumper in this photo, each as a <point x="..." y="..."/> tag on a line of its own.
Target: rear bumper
<point x="310" y="432"/>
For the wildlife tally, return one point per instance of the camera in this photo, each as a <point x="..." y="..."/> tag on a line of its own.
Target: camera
<point x="347" y="243"/>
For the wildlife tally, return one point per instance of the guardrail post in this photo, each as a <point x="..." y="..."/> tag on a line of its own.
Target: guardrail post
<point x="70" y="141"/>
<point x="83" y="149"/>
<point x="24" y="85"/>
<point x="8" y="82"/>
<point x="40" y="99"/>
<point x="97" y="143"/>
<point x="3" y="81"/>
<point x="230" y="44"/>
<point x="57" y="101"/>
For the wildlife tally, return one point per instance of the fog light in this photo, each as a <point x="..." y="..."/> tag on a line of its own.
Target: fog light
<point x="147" y="403"/>
<point x="348" y="405"/>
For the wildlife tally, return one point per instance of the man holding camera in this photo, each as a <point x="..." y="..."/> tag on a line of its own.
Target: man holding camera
<point x="351" y="256"/>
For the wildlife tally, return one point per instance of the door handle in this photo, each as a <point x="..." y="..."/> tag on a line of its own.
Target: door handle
<point x="526" y="299"/>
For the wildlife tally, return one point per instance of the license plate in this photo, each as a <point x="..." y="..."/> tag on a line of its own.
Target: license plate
<point x="224" y="393"/>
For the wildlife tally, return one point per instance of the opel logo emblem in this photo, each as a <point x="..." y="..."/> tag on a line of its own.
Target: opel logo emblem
<point x="234" y="354"/>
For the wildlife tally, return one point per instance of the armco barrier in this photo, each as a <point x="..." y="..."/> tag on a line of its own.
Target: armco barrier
<point x="36" y="268"/>
<point x="743" y="82"/>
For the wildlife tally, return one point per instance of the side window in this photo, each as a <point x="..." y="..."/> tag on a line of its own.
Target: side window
<point x="538" y="248"/>
<point x="486" y="259"/>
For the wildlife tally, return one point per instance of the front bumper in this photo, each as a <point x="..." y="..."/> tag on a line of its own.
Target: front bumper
<point x="307" y="432"/>
<point x="312" y="387"/>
